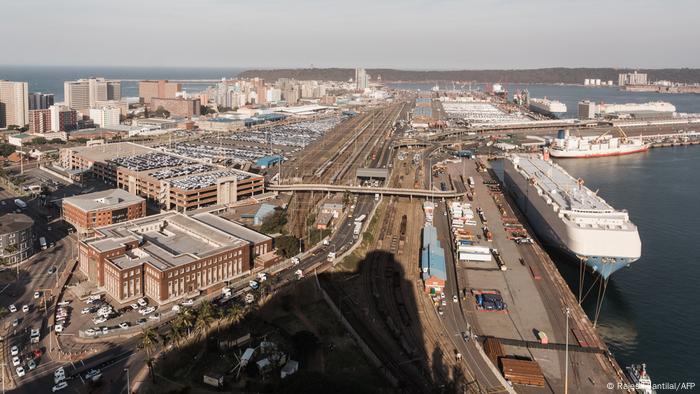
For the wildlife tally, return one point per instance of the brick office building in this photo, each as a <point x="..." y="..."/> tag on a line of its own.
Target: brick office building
<point x="169" y="256"/>
<point x="88" y="211"/>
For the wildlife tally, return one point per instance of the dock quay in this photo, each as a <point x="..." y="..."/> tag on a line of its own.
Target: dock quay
<point x="536" y="295"/>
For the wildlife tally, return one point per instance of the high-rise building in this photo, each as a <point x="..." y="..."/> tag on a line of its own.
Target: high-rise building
<point x="83" y="94"/>
<point x="586" y="109"/>
<point x="105" y="116"/>
<point x="161" y="88"/>
<point x="63" y="118"/>
<point x="14" y="104"/>
<point x="361" y="79"/>
<point x="634" y="78"/>
<point x="40" y="100"/>
<point x="39" y="121"/>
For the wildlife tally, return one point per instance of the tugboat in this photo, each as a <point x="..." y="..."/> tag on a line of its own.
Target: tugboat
<point x="640" y="378"/>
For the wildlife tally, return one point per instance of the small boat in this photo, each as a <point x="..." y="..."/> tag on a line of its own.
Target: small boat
<point x="640" y="378"/>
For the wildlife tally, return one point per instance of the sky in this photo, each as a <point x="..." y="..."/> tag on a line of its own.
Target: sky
<point x="405" y="34"/>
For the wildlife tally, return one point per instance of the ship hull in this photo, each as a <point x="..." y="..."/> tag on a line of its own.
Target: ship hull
<point x="554" y="233"/>
<point x="591" y="154"/>
<point x="542" y="111"/>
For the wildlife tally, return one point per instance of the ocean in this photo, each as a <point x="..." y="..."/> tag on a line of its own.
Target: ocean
<point x="50" y="79"/>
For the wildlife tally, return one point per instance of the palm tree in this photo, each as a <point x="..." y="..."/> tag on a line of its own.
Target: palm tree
<point x="205" y="316"/>
<point x="149" y="339"/>
<point x="234" y="314"/>
<point x="185" y="319"/>
<point x="176" y="333"/>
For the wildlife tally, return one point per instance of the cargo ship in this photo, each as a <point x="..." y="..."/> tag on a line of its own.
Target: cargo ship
<point x="567" y="146"/>
<point x="547" y="107"/>
<point x="570" y="217"/>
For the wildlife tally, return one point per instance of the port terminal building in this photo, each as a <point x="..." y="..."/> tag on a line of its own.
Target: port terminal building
<point x="172" y="181"/>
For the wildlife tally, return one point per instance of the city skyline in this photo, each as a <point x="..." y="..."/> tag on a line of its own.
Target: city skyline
<point x="468" y="35"/>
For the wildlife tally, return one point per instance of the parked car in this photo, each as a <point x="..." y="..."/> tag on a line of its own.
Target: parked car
<point x="105" y="330"/>
<point x="142" y="302"/>
<point x="58" y="328"/>
<point x="60" y="386"/>
<point x="90" y="332"/>
<point x="14" y="351"/>
<point x="31" y="365"/>
<point x="148" y="310"/>
<point x="188" y="302"/>
<point x="37" y="294"/>
<point x="86" y="310"/>
<point x="12" y="308"/>
<point x="15" y="361"/>
<point x="20" y="371"/>
<point x="52" y="270"/>
<point x="124" y="325"/>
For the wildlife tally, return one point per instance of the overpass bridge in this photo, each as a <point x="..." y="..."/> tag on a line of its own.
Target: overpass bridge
<point x="388" y="191"/>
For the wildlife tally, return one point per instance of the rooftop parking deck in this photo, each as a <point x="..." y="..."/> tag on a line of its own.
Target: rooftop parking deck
<point x="200" y="181"/>
<point x="150" y="161"/>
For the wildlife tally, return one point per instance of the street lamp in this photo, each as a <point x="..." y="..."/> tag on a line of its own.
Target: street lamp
<point x="128" y="382"/>
<point x="566" y="354"/>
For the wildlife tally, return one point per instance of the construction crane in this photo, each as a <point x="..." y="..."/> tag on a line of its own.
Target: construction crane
<point x="623" y="135"/>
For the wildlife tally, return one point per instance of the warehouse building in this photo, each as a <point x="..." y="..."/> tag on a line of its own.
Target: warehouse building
<point x="433" y="270"/>
<point x="169" y="256"/>
<point x="88" y="211"/>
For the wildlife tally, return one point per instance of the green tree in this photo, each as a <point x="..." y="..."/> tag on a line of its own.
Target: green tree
<point x="57" y="141"/>
<point x="287" y="245"/>
<point x="185" y="320"/>
<point x="274" y="222"/>
<point x="176" y="333"/>
<point x="7" y="149"/>
<point x="149" y="339"/>
<point x="3" y="312"/>
<point x="234" y="314"/>
<point x="205" y="317"/>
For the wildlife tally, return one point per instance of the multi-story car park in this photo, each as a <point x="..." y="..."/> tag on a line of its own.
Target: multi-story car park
<point x="16" y="237"/>
<point x="173" y="181"/>
<point x="169" y="256"/>
<point x="88" y="211"/>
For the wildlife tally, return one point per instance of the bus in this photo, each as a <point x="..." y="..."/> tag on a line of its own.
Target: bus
<point x="360" y="218"/>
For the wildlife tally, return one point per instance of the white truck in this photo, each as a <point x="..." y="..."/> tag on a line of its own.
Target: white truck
<point x="357" y="230"/>
<point x="331" y="256"/>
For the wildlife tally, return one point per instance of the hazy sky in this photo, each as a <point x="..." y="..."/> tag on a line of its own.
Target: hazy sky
<point x="409" y="34"/>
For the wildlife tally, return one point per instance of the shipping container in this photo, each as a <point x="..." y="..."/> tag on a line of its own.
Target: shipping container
<point x="525" y="372"/>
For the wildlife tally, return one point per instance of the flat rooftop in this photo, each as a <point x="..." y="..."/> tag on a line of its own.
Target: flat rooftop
<point x="103" y="153"/>
<point x="230" y="227"/>
<point x="107" y="199"/>
<point x="166" y="240"/>
<point x="12" y="222"/>
<point x="199" y="181"/>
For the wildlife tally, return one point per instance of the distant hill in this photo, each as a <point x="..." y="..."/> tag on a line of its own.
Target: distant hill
<point x="540" y="75"/>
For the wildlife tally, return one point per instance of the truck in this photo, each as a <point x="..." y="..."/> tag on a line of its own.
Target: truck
<point x="20" y="204"/>
<point x="360" y="218"/>
<point x="42" y="242"/>
<point x="357" y="230"/>
<point x="470" y="181"/>
<point x="331" y="256"/>
<point x="376" y="196"/>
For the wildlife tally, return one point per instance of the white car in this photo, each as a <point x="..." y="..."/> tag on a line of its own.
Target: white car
<point x="37" y="294"/>
<point x="13" y="308"/>
<point x="20" y="371"/>
<point x="99" y="320"/>
<point x="15" y="361"/>
<point x="176" y="308"/>
<point x="454" y="298"/>
<point x="142" y="302"/>
<point x="59" y="386"/>
<point x="295" y="260"/>
<point x="155" y="316"/>
<point x="146" y="311"/>
<point x="59" y="371"/>
<point x="64" y="303"/>
<point x="58" y="379"/>
<point x="90" y="332"/>
<point x="86" y="310"/>
<point x="105" y="330"/>
<point x="58" y="328"/>
<point x="188" y="302"/>
<point x="92" y="373"/>
<point x="134" y="306"/>
<point x="124" y="325"/>
<point x="14" y="351"/>
<point x="25" y="308"/>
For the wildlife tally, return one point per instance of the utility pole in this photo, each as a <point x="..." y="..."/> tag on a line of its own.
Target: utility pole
<point x="128" y="382"/>
<point x="566" y="354"/>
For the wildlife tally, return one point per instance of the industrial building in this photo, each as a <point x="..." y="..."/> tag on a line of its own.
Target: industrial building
<point x="16" y="238"/>
<point x="173" y="181"/>
<point x="433" y="269"/>
<point x="88" y="211"/>
<point x="169" y="256"/>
